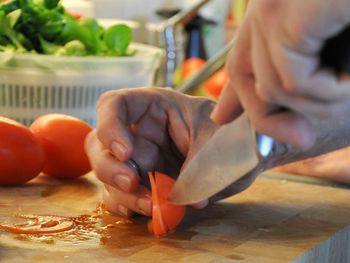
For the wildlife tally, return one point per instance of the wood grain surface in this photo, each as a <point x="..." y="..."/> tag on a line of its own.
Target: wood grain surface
<point x="272" y="221"/>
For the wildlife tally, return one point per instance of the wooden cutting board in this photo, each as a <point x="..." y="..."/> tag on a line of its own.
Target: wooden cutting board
<point x="273" y="221"/>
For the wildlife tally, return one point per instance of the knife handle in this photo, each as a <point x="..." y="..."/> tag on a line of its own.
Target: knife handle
<point x="335" y="56"/>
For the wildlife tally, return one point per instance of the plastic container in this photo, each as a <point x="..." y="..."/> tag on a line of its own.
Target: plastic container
<point x="33" y="85"/>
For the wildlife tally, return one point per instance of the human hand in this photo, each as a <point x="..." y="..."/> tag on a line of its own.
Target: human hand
<point x="274" y="66"/>
<point x="159" y="129"/>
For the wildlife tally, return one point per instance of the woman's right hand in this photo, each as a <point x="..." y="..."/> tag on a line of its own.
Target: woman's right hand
<point x="275" y="65"/>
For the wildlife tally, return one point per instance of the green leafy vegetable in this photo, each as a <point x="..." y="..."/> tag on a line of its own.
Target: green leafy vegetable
<point x="48" y="47"/>
<point x="46" y="27"/>
<point x="73" y="30"/>
<point x="50" y="4"/>
<point x="72" y="48"/>
<point x="7" y="23"/>
<point x="117" y="39"/>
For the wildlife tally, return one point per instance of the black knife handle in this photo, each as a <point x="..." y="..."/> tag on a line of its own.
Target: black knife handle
<point x="335" y="54"/>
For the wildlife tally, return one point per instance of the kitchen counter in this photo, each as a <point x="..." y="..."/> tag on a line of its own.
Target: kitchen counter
<point x="275" y="220"/>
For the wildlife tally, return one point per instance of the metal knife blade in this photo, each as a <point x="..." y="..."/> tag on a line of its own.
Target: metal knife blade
<point x="235" y="149"/>
<point x="230" y="154"/>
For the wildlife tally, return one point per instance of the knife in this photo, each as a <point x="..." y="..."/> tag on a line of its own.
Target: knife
<point x="222" y="162"/>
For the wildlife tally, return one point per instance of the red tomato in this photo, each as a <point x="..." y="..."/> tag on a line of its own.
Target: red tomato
<point x="165" y="215"/>
<point x="216" y="83"/>
<point x="21" y="155"/>
<point x="63" y="137"/>
<point x="156" y="225"/>
<point x="191" y="66"/>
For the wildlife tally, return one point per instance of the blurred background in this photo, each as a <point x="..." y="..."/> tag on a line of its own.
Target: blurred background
<point x="197" y="39"/>
<point x="220" y="11"/>
<point x="180" y="44"/>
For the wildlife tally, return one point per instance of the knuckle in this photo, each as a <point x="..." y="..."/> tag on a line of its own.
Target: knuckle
<point x="103" y="97"/>
<point x="105" y="134"/>
<point x="101" y="168"/>
<point x="292" y="87"/>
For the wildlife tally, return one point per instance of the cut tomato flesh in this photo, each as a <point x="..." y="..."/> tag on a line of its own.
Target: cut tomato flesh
<point x="158" y="226"/>
<point x="165" y="216"/>
<point x="172" y="214"/>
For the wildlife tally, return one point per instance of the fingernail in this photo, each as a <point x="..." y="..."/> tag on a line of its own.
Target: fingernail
<point x="118" y="150"/>
<point x="144" y="204"/>
<point x="123" y="182"/>
<point x="123" y="210"/>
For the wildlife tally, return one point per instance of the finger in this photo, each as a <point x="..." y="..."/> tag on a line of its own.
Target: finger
<point x="318" y="95"/>
<point x="239" y="62"/>
<point x="297" y="48"/>
<point x="267" y="83"/>
<point x="116" y="110"/>
<point x="123" y="203"/>
<point x="112" y="131"/>
<point x="287" y="127"/>
<point x="146" y="162"/>
<point x="314" y="108"/>
<point x="294" y="68"/>
<point x="202" y="204"/>
<point x="228" y="107"/>
<point x="107" y="168"/>
<point x="326" y="86"/>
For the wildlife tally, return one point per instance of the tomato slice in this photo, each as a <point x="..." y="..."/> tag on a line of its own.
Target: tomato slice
<point x="156" y="225"/>
<point x="172" y="214"/>
<point x="40" y="224"/>
<point x="165" y="216"/>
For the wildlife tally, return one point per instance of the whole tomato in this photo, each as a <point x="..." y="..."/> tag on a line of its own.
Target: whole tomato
<point x="21" y="154"/>
<point x="62" y="137"/>
<point x="216" y="83"/>
<point x="191" y="66"/>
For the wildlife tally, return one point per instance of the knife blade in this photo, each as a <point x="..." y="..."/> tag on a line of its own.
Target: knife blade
<point x="236" y="148"/>
<point x="210" y="170"/>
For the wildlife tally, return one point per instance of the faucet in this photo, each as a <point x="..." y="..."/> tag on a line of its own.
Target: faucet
<point x="168" y="31"/>
<point x="215" y="63"/>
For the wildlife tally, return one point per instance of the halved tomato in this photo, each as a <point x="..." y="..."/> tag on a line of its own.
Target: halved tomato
<point x="165" y="215"/>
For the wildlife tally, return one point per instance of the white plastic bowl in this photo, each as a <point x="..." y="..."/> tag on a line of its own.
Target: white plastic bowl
<point x="33" y="85"/>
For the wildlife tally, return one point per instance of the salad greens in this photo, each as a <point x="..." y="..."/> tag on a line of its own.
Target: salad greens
<point x="46" y="27"/>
